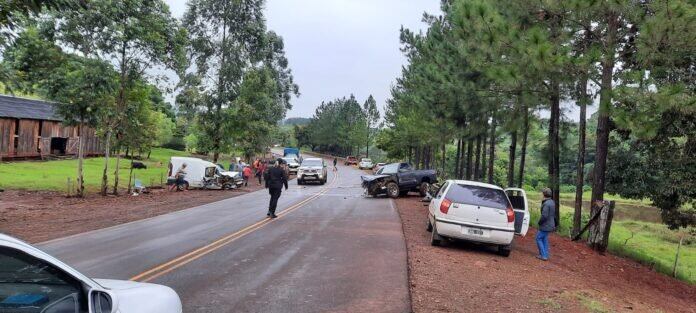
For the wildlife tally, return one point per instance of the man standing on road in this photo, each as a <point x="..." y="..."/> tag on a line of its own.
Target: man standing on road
<point x="335" y="169"/>
<point x="547" y="224"/>
<point x="276" y="178"/>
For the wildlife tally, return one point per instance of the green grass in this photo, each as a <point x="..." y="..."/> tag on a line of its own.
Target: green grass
<point x="53" y="175"/>
<point x="651" y="244"/>
<point x="590" y="304"/>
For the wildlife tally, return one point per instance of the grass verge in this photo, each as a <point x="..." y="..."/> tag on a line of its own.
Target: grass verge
<point x="53" y="175"/>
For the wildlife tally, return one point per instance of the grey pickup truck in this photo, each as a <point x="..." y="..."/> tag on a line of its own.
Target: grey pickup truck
<point x="398" y="179"/>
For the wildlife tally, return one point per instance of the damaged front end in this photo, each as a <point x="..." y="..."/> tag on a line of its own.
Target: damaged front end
<point x="375" y="185"/>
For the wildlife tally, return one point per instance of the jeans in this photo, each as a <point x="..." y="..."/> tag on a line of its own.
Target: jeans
<point x="542" y="240"/>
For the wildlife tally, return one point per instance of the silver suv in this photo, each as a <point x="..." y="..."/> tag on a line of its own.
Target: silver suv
<point x="312" y="169"/>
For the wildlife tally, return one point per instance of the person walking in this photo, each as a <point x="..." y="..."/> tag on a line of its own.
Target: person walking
<point x="246" y="174"/>
<point x="276" y="178"/>
<point x="547" y="224"/>
<point x="335" y="169"/>
<point x="260" y="171"/>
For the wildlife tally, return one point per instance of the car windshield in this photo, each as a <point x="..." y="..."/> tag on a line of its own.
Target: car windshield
<point x="290" y="160"/>
<point x="390" y="169"/>
<point x="367" y="160"/>
<point x="312" y="163"/>
<point x="477" y="195"/>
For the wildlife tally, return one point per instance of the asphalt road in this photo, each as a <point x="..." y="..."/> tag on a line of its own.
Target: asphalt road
<point x="331" y="249"/>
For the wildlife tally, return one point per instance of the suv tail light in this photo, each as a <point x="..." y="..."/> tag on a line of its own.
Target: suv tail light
<point x="510" y="214"/>
<point x="445" y="205"/>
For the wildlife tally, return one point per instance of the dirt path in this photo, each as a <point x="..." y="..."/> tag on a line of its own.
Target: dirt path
<point x="464" y="277"/>
<point x="37" y="216"/>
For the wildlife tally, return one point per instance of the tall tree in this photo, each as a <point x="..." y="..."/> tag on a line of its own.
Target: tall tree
<point x="136" y="35"/>
<point x="371" y="122"/>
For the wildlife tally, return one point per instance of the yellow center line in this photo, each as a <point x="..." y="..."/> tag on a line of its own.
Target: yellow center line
<point x="180" y="261"/>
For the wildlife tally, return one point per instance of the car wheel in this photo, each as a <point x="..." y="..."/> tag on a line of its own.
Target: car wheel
<point x="423" y="189"/>
<point x="429" y="227"/>
<point x="392" y="190"/>
<point x="504" y="250"/>
<point x="435" y="238"/>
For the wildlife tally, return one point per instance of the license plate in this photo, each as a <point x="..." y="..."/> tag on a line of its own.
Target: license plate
<point x="475" y="231"/>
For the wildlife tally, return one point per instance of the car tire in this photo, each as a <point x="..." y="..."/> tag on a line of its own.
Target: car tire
<point x="435" y="238"/>
<point x="504" y="250"/>
<point x="429" y="227"/>
<point x="423" y="189"/>
<point x="393" y="190"/>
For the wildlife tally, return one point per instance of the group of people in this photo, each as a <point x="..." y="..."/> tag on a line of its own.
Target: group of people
<point x="255" y="170"/>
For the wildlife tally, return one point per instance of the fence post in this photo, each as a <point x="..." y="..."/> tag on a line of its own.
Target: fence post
<point x="67" y="187"/>
<point x="676" y="258"/>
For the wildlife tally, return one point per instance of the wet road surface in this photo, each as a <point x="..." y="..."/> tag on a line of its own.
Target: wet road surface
<point x="331" y="249"/>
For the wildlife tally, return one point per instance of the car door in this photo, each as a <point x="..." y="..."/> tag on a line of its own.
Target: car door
<point x="518" y="199"/>
<point x="407" y="178"/>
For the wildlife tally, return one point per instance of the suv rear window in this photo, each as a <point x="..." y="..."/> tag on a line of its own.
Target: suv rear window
<point x="476" y="195"/>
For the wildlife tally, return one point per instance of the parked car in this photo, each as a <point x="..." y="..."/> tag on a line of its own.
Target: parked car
<point x="312" y="169"/>
<point x="33" y="281"/>
<point x="365" y="163"/>
<point x="478" y="212"/>
<point x="203" y="174"/>
<point x="292" y="163"/>
<point x="398" y="179"/>
<point x="377" y="167"/>
<point x="350" y="160"/>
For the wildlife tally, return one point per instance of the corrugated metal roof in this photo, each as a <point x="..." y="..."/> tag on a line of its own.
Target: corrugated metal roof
<point x="27" y="108"/>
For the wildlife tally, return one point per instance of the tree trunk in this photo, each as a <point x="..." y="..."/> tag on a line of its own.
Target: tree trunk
<point x="105" y="174"/>
<point x="469" y="159"/>
<point x="457" y="160"/>
<point x="477" y="167"/>
<point x="417" y="157"/>
<point x="600" y="164"/>
<point x="80" y="159"/>
<point x="511" y="162"/>
<point x="484" y="156"/>
<point x="491" y="160"/>
<point x="444" y="159"/>
<point x="580" y="173"/>
<point x="118" y="159"/>
<point x="523" y="153"/>
<point x="554" y="144"/>
<point x="130" y="177"/>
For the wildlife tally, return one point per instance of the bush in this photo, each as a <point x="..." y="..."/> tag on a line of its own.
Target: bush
<point x="176" y="143"/>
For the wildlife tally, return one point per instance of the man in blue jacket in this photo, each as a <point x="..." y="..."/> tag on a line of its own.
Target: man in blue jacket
<point x="547" y="224"/>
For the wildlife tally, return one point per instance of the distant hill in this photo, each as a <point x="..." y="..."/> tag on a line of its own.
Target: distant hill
<point x="296" y="121"/>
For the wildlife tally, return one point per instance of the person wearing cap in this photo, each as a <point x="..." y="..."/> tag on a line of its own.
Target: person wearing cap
<point x="276" y="177"/>
<point x="547" y="224"/>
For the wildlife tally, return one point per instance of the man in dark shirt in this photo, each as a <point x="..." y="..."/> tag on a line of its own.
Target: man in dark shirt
<point x="275" y="178"/>
<point x="547" y="224"/>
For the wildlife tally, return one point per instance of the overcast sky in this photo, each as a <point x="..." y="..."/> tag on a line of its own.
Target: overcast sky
<point x="339" y="47"/>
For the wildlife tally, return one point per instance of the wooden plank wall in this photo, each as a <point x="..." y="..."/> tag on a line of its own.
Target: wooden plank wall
<point x="7" y="132"/>
<point x="28" y="138"/>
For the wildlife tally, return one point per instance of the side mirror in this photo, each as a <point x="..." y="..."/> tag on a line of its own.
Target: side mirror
<point x="100" y="301"/>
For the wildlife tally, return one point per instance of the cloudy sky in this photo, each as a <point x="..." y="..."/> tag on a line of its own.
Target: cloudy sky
<point x="339" y="47"/>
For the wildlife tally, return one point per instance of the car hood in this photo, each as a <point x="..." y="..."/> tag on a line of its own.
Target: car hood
<point x="135" y="297"/>
<point x="311" y="167"/>
<point x="369" y="178"/>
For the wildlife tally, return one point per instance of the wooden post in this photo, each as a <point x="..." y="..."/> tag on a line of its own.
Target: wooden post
<point x="67" y="189"/>
<point x="676" y="258"/>
<point x="598" y="235"/>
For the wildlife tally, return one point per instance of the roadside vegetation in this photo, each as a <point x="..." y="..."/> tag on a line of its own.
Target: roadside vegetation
<point x="54" y="175"/>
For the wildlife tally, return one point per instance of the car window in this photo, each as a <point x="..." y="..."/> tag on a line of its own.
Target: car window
<point x="442" y="190"/>
<point x="34" y="285"/>
<point x="479" y="196"/>
<point x="390" y="169"/>
<point x="366" y="160"/>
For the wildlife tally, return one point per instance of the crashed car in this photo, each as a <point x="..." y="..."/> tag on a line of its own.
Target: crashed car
<point x="398" y="179"/>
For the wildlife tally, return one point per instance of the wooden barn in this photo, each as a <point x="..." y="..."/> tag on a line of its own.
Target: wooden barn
<point x="32" y="129"/>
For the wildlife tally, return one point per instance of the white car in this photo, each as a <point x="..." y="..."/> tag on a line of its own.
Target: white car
<point x="199" y="171"/>
<point x="478" y="212"/>
<point x="293" y="164"/>
<point x="312" y="169"/>
<point x="365" y="163"/>
<point x="33" y="281"/>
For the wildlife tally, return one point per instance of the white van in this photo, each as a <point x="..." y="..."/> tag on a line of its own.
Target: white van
<point x="199" y="171"/>
<point x="478" y="212"/>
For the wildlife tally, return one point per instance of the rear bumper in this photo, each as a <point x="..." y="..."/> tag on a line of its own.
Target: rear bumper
<point x="460" y="230"/>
